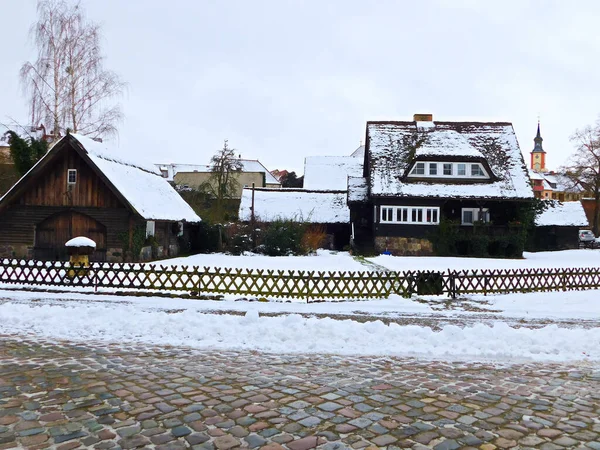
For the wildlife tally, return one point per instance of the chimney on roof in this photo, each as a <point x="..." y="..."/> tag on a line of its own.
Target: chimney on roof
<point x="423" y="117"/>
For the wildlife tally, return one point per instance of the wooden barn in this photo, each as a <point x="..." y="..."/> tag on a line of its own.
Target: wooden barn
<point x="81" y="187"/>
<point x="557" y="227"/>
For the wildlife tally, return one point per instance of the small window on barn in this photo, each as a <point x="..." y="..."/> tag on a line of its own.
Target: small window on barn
<point x="432" y="168"/>
<point x="419" y="169"/>
<point x="72" y="176"/>
<point x="150" y="228"/>
<point x="448" y="169"/>
<point x="164" y="173"/>
<point x="461" y="169"/>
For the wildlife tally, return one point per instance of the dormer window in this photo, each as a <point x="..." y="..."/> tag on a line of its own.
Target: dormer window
<point x="476" y="170"/>
<point x="72" y="176"/>
<point x="439" y="169"/>
<point x="419" y="169"/>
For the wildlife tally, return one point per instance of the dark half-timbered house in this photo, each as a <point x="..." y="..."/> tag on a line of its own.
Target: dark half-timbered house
<point x="81" y="187"/>
<point x="419" y="175"/>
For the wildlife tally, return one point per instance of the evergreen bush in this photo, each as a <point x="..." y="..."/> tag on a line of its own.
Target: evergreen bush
<point x="282" y="238"/>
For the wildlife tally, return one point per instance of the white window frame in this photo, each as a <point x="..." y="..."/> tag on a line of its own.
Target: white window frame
<point x="150" y="228"/>
<point x="69" y="172"/>
<point x="476" y="218"/>
<point x="422" y="169"/>
<point x="460" y="166"/>
<point x="418" y="169"/>
<point x="415" y="215"/>
<point x="479" y="168"/>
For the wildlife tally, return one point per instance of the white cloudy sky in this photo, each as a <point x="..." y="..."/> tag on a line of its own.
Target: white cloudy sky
<point x="284" y="79"/>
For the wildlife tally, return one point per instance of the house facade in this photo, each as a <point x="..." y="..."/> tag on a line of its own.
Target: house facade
<point x="196" y="176"/>
<point x="421" y="176"/>
<point x="84" y="188"/>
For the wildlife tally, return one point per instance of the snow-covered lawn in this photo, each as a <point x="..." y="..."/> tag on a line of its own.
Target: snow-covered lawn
<point x="330" y="260"/>
<point x="323" y="260"/>
<point x="565" y="258"/>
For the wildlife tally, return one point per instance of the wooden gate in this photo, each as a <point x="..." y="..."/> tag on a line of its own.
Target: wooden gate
<point x="52" y="234"/>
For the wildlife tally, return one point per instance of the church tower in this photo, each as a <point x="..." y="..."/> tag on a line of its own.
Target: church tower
<point x="538" y="155"/>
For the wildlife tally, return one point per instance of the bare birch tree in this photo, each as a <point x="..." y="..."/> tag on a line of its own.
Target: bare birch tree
<point x="67" y="86"/>
<point x="583" y="169"/>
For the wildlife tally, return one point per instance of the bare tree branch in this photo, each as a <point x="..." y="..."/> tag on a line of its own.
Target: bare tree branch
<point x="67" y="85"/>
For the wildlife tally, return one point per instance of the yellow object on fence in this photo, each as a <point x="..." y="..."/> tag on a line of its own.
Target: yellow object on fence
<point x="80" y="266"/>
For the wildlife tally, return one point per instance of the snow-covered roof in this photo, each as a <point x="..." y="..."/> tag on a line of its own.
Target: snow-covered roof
<point x="447" y="143"/>
<point x="392" y="147"/>
<point x="295" y="204"/>
<point x="330" y="172"/>
<point x="357" y="189"/>
<point x="533" y="175"/>
<point x="567" y="214"/>
<point x="359" y="152"/>
<point x="248" y="165"/>
<point x="140" y="184"/>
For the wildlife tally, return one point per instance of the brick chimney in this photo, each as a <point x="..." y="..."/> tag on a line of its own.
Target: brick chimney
<point x="423" y="117"/>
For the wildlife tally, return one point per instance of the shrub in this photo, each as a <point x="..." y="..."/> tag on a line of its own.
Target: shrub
<point x="237" y="238"/>
<point x="445" y="239"/>
<point x="313" y="238"/>
<point x="206" y="238"/>
<point x="282" y="237"/>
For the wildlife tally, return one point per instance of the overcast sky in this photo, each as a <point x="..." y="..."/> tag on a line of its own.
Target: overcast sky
<point x="285" y="79"/>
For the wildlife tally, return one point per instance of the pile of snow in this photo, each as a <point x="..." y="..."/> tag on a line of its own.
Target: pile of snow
<point x="294" y="334"/>
<point x="568" y="214"/>
<point x="80" y="241"/>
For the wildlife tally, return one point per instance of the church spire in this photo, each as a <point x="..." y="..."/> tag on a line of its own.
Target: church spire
<point x="538" y="141"/>
<point x="538" y="155"/>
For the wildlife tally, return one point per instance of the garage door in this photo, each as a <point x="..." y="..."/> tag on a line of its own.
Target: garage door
<point x="52" y="234"/>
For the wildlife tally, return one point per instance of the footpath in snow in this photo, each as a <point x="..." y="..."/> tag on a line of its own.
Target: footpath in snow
<point x="194" y="323"/>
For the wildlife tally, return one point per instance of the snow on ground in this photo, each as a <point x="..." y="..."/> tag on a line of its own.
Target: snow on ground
<point x="324" y="260"/>
<point x="197" y="323"/>
<point x="565" y="258"/>
<point x="293" y="333"/>
<point x="331" y="260"/>
<point x="165" y="321"/>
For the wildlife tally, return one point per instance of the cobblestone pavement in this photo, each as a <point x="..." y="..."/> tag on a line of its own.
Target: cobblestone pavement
<point x="66" y="396"/>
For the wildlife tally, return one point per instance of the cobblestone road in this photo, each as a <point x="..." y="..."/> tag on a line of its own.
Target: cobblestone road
<point x="68" y="396"/>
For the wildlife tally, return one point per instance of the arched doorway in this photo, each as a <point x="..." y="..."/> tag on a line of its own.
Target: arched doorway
<point x="52" y="233"/>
